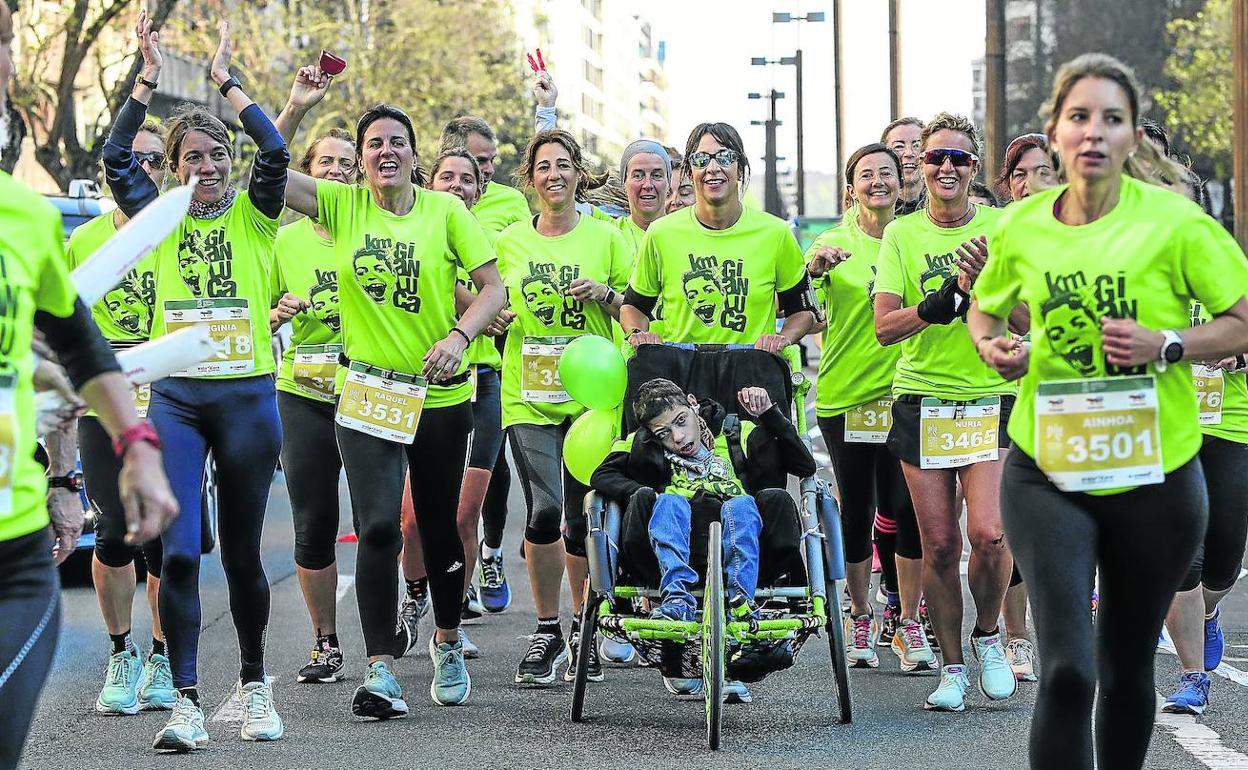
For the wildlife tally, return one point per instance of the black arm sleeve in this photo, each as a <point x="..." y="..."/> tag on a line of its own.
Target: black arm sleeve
<point x="132" y="188"/>
<point x="801" y="297"/>
<point x="640" y="301"/>
<point x="78" y="344"/>
<point x="267" y="188"/>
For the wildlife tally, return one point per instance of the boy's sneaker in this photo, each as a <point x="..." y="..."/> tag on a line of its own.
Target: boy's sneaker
<point x="157" y="693"/>
<point x="260" y="719"/>
<point x="1192" y="697"/>
<point x="594" y="670"/>
<point x="495" y="591"/>
<point x="472" y="609"/>
<point x="674" y="610"/>
<point x="122" y="681"/>
<point x="324" y="663"/>
<point x="451" y="684"/>
<point x="950" y="694"/>
<point x="471" y="650"/>
<point x="736" y="692"/>
<point x="185" y="729"/>
<point x="1215" y="642"/>
<point x="861" y="636"/>
<point x="996" y="678"/>
<point x="411" y="610"/>
<point x="912" y="649"/>
<point x="616" y="651"/>
<point x="927" y="626"/>
<point x="542" y="660"/>
<point x="683" y="688"/>
<point x="1022" y="657"/>
<point x="888" y="626"/>
<point x="380" y="697"/>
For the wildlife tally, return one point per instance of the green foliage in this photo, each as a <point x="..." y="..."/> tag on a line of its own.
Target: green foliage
<point x="1198" y="111"/>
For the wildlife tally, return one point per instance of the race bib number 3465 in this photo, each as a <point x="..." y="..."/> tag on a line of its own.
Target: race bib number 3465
<point x="957" y="433"/>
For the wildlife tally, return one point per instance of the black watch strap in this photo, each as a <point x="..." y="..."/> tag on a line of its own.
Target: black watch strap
<point x="71" y="481"/>
<point x="144" y="81"/>
<point x="227" y="85"/>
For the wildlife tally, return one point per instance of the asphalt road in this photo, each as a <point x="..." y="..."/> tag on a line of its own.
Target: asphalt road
<point x="632" y="721"/>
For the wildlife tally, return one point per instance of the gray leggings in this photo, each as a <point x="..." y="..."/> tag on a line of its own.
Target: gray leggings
<point x="551" y="495"/>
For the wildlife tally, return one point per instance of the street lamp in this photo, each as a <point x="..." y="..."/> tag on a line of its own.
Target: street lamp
<point x="772" y="202"/>
<point x="796" y="61"/>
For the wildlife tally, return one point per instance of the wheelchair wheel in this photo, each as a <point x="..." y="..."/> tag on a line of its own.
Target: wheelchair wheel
<point x="713" y="636"/>
<point x="836" y="647"/>
<point x="589" y="619"/>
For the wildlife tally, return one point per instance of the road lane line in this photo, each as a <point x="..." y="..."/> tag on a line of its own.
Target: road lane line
<point x="344" y="585"/>
<point x="1199" y="740"/>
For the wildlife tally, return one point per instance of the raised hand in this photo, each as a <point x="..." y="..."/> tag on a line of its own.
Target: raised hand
<point x="310" y="86"/>
<point x="826" y="258"/>
<point x="221" y="59"/>
<point x="972" y="256"/>
<point x="755" y="401"/>
<point x="544" y="89"/>
<point x="149" y="47"/>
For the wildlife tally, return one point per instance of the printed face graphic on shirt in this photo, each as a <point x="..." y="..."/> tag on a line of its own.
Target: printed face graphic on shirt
<point x="716" y="291"/>
<point x="1072" y="319"/>
<point x="546" y="295"/>
<point x="324" y="300"/>
<point x="388" y="272"/>
<point x="205" y="263"/>
<point x="704" y="295"/>
<point x="127" y="308"/>
<point x="372" y="273"/>
<point x="541" y="297"/>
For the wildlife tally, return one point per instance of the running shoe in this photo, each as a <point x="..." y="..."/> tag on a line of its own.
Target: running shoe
<point x="260" y="719"/>
<point x="736" y="692"/>
<point x="1192" y="697"/>
<point x="683" y="688"/>
<point x="380" y="697"/>
<point x="471" y="650"/>
<point x="912" y="649"/>
<point x="411" y="610"/>
<point x="888" y="628"/>
<point x="495" y="591"/>
<point x="324" y="663"/>
<point x="861" y="636"/>
<point x="1215" y="642"/>
<point x="616" y="651"/>
<point x="451" y="684"/>
<point x="157" y="693"/>
<point x="594" y="670"/>
<point x="753" y="662"/>
<point x="996" y="678"/>
<point x="185" y="729"/>
<point x="1022" y="657"/>
<point x="120" y="694"/>
<point x="472" y="610"/>
<point x="927" y="626"/>
<point x="542" y="660"/>
<point x="950" y="694"/>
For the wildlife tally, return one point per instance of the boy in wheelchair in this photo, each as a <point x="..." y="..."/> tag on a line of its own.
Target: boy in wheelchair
<point x="690" y="463"/>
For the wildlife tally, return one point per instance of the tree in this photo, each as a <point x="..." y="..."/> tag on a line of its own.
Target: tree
<point x="1199" y="66"/>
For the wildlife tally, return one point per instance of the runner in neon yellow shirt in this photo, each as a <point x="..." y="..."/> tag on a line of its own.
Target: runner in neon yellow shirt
<point x="406" y="392"/>
<point x="1102" y="478"/>
<point x="949" y="409"/>
<point x="853" y="403"/>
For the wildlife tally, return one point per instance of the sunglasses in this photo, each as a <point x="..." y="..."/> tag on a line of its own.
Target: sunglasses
<point x="722" y="158"/>
<point x="959" y="158"/>
<point x="154" y="158"/>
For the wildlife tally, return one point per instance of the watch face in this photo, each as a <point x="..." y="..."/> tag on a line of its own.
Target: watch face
<point x="1174" y="351"/>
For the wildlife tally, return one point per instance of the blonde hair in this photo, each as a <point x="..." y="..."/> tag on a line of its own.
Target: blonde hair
<point x="1147" y="162"/>
<point x="947" y="121"/>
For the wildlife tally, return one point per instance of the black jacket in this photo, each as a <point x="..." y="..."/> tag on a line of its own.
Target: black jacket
<point x="773" y="450"/>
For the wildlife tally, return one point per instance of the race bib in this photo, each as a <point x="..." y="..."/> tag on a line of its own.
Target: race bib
<point x="472" y="378"/>
<point x="315" y="367"/>
<point x="1098" y="434"/>
<point x="957" y="433"/>
<point x="8" y="442"/>
<point x="1210" y="388"/>
<point x="869" y="423"/>
<point x="381" y="403"/>
<point x="229" y="324"/>
<point x="539" y="369"/>
<point x="142" y="400"/>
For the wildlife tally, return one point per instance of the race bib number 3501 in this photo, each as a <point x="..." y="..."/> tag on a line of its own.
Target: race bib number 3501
<point x="386" y="406"/>
<point x="1098" y="434"/>
<point x="957" y="433"/>
<point x="869" y="423"/>
<point x="229" y="325"/>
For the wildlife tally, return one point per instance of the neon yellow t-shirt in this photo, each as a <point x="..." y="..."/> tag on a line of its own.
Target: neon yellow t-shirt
<point x="397" y="298"/>
<point x="1149" y="259"/>
<point x="853" y="367"/>
<point x="32" y="277"/>
<point x="227" y="258"/>
<point x="1234" y="425"/>
<point x="307" y="267"/>
<point x="482" y="351"/>
<point x="718" y="286"/>
<point x="916" y="257"/>
<point x="125" y="312"/>
<point x="632" y="231"/>
<point x="499" y="206"/>
<point x="537" y="270"/>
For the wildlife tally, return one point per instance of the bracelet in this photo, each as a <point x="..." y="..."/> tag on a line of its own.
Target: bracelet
<point x="462" y="333"/>
<point x="609" y="297"/>
<point x="140" y="431"/>
<point x="144" y="81"/>
<point x="229" y="84"/>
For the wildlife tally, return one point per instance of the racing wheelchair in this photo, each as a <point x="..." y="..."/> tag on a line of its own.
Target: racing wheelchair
<point x="793" y="606"/>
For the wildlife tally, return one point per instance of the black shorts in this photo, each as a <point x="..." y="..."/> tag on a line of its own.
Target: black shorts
<point x="903" y="437"/>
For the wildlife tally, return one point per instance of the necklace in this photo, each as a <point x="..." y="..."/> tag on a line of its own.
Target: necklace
<point x="970" y="209"/>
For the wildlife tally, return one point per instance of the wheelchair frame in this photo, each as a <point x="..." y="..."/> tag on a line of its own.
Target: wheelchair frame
<point x="823" y="553"/>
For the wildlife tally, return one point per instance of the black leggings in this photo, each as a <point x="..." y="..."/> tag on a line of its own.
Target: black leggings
<point x="1219" y="557"/>
<point x="494" y="511"/>
<point x="375" y="471"/>
<point x="100" y="469"/>
<point x="30" y="622"/>
<point x="1142" y="542"/>
<point x="311" y="462"/>
<point x="867" y="476"/>
<point x="552" y="496"/>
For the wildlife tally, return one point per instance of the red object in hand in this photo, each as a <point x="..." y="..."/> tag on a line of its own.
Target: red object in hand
<point x="532" y="62"/>
<point x="540" y="63"/>
<point x="332" y="65"/>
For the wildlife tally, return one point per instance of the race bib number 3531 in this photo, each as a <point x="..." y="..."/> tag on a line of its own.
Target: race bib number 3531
<point x="386" y="406"/>
<point x="957" y="433"/>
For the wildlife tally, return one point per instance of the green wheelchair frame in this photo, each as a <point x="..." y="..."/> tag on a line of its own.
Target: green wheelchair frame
<point x="712" y="632"/>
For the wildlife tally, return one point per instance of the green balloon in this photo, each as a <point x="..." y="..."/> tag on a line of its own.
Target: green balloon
<point x="589" y="442"/>
<point x="593" y="371"/>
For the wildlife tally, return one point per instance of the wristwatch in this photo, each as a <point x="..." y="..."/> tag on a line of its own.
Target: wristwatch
<point x="70" y="481"/>
<point x="144" y="81"/>
<point x="1171" y="349"/>
<point x="227" y="85"/>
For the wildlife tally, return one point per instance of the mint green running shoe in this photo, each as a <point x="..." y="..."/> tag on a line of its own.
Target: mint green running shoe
<point x="121" y="684"/>
<point x="380" y="697"/>
<point x="996" y="678"/>
<point x="451" y="684"/>
<point x="157" y="693"/>
<point x="185" y="729"/>
<point x="950" y="694"/>
<point x="260" y="719"/>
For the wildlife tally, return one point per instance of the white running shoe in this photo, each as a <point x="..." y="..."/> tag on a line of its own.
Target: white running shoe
<point x="185" y="729"/>
<point x="912" y="648"/>
<point x="862" y="634"/>
<point x="1022" y="657"/>
<point x="260" y="719"/>
<point x="996" y="678"/>
<point x="950" y="694"/>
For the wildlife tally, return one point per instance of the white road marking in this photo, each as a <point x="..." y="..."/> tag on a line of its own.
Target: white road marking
<point x="344" y="584"/>
<point x="231" y="710"/>
<point x="1224" y="670"/>
<point x="1199" y="740"/>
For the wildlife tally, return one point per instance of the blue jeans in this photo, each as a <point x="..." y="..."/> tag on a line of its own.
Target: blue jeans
<point x="670" y="523"/>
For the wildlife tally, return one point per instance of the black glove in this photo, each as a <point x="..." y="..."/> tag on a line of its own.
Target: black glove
<point x="946" y="304"/>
